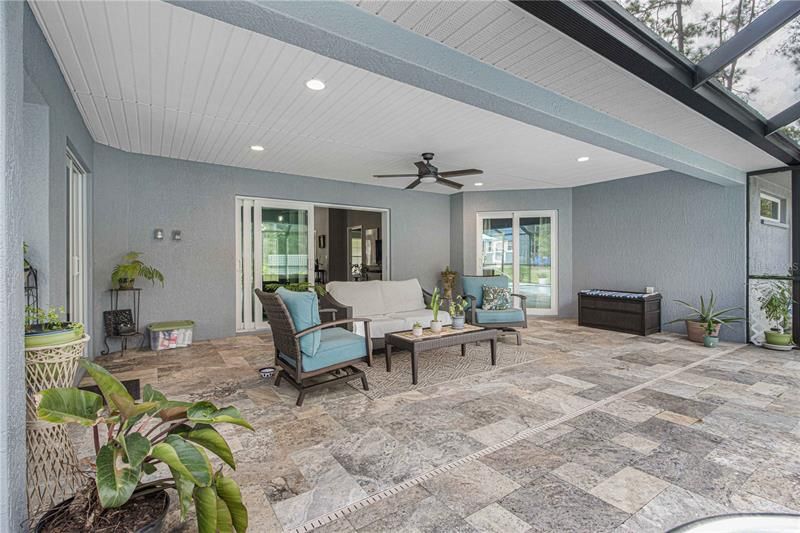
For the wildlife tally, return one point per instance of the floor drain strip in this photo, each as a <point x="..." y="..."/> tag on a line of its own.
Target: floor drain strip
<point x="522" y="435"/>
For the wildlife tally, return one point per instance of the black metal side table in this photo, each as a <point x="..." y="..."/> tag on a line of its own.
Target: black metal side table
<point x="111" y="319"/>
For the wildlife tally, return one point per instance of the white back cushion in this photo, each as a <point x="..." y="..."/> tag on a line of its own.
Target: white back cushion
<point x="365" y="297"/>
<point x="401" y="296"/>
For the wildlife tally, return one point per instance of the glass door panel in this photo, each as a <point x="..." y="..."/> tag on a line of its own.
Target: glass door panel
<point x="496" y="255"/>
<point x="284" y="246"/>
<point x="535" y="264"/>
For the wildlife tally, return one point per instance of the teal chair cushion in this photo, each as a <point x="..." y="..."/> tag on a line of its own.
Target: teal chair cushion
<point x="304" y="310"/>
<point x="473" y="285"/>
<point x="336" y="346"/>
<point x="505" y="316"/>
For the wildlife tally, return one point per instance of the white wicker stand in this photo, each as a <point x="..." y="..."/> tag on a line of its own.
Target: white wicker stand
<point x="52" y="464"/>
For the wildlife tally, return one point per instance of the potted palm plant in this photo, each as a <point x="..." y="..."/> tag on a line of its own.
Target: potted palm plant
<point x="697" y="323"/>
<point x="776" y="302"/>
<point x="126" y="273"/>
<point x="436" y="302"/>
<point x="138" y="439"/>
<point x="457" y="308"/>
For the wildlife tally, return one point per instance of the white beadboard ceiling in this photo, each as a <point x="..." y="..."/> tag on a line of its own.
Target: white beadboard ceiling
<point x="503" y="35"/>
<point x="156" y="79"/>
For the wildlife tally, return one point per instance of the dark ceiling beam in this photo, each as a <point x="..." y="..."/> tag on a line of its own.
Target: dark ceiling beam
<point x="784" y="118"/>
<point x="609" y="30"/>
<point x="746" y="39"/>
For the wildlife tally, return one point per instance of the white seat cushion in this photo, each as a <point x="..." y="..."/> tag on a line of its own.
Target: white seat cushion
<point x="423" y="316"/>
<point x="380" y="326"/>
<point x="399" y="296"/>
<point x="365" y="297"/>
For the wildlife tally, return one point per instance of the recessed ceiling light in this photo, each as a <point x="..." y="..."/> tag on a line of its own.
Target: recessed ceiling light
<point x="315" y="84"/>
<point x="479" y="184"/>
<point x="583" y="159"/>
<point x="257" y="148"/>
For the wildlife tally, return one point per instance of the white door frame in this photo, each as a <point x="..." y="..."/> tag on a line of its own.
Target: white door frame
<point x="515" y="216"/>
<point x="249" y="314"/>
<point x="77" y="241"/>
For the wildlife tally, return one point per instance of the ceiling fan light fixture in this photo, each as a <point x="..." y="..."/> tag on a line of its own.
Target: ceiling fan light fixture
<point x="315" y="84"/>
<point x="428" y="179"/>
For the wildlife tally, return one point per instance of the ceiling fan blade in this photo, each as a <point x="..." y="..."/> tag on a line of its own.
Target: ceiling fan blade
<point x="449" y="183"/>
<point x="414" y="183"/>
<point x="465" y="172"/>
<point x="394" y="175"/>
<point x="423" y="168"/>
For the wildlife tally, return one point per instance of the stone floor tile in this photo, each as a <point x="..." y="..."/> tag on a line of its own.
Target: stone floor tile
<point x="540" y="437"/>
<point x="776" y="486"/>
<point x="602" y="425"/>
<point x="523" y="461"/>
<point x="600" y="455"/>
<point x="469" y="487"/>
<point x="745" y="502"/>
<point x="360" y="518"/>
<point x="572" y="382"/>
<point x="629" y="410"/>
<point x="635" y="442"/>
<point x="670" y="402"/>
<point x="552" y="504"/>
<point x="495" y="519"/>
<point x="579" y="475"/>
<point x="677" y="418"/>
<point x="767" y="389"/>
<point x="559" y="401"/>
<point x="629" y="489"/>
<point x="496" y="432"/>
<point x="428" y="515"/>
<point x="337" y="526"/>
<point x="672" y="507"/>
<point x="684" y="438"/>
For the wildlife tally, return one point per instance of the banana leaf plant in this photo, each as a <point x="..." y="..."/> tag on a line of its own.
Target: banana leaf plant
<point x="131" y="438"/>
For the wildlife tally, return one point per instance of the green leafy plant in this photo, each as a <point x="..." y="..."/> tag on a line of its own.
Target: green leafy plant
<point x="436" y="302"/>
<point x="139" y="436"/>
<point x="132" y="268"/>
<point x="710" y="328"/>
<point x="458" y="306"/>
<point x="417" y="325"/>
<point x="707" y="313"/>
<point x="776" y="302"/>
<point x="49" y="319"/>
<point x="296" y="287"/>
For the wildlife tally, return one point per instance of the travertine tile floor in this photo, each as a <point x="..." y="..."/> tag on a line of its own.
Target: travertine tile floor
<point x="653" y="444"/>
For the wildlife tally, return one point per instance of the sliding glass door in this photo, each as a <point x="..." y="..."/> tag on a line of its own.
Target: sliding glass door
<point x="522" y="245"/>
<point x="274" y="246"/>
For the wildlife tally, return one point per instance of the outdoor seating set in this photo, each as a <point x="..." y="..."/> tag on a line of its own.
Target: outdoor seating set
<point x="311" y="353"/>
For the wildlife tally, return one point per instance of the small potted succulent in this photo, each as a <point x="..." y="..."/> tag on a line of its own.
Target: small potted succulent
<point x="436" y="302"/>
<point x="134" y="439"/>
<point x="776" y="302"/>
<point x="707" y="313"/>
<point x="126" y="273"/>
<point x="417" y="329"/>
<point x="457" y="308"/>
<point x="711" y="337"/>
<point x="45" y="327"/>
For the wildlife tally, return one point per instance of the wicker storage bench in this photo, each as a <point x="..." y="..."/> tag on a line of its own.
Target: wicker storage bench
<point x="628" y="312"/>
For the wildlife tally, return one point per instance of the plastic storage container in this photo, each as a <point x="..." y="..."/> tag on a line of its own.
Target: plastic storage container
<point x="168" y="335"/>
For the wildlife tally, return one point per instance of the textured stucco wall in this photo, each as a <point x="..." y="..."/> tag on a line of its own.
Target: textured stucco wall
<point x="12" y="364"/>
<point x="45" y="85"/>
<point x="36" y="193"/>
<point x="463" y="248"/>
<point x="770" y="245"/>
<point x="135" y="193"/>
<point x="681" y="235"/>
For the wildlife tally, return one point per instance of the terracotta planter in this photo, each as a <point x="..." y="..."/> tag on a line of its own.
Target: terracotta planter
<point x="697" y="330"/>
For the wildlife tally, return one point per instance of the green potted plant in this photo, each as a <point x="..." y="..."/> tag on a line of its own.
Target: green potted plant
<point x="776" y="302"/>
<point x="45" y="327"/>
<point x="711" y="337"/>
<point x="416" y="330"/>
<point x="436" y="302"/>
<point x="702" y="315"/>
<point x="126" y="273"/>
<point x="133" y="439"/>
<point x="457" y="308"/>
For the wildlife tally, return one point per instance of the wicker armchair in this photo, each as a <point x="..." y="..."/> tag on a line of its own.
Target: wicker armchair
<point x="339" y="349"/>
<point x="506" y="320"/>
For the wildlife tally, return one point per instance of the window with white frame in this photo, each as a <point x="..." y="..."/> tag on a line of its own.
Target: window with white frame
<point x="772" y="208"/>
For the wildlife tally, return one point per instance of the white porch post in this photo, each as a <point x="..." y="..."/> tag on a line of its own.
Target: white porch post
<point x="13" y="510"/>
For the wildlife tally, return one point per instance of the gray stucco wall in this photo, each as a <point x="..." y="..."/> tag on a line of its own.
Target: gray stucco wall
<point x="134" y="194"/>
<point x="36" y="193"/>
<point x="45" y="86"/>
<point x="771" y="244"/>
<point x="463" y="247"/>
<point x="684" y="236"/>
<point x="12" y="362"/>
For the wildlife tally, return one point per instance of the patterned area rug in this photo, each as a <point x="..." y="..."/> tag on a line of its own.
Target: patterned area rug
<point x="437" y="366"/>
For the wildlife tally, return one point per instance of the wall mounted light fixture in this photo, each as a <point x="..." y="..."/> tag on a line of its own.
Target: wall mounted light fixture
<point x="176" y="235"/>
<point x="158" y="234"/>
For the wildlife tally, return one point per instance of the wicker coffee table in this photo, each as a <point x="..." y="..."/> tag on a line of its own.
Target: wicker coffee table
<point x="405" y="340"/>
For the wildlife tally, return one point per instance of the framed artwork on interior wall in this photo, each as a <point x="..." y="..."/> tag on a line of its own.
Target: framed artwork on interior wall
<point x="321" y="241"/>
